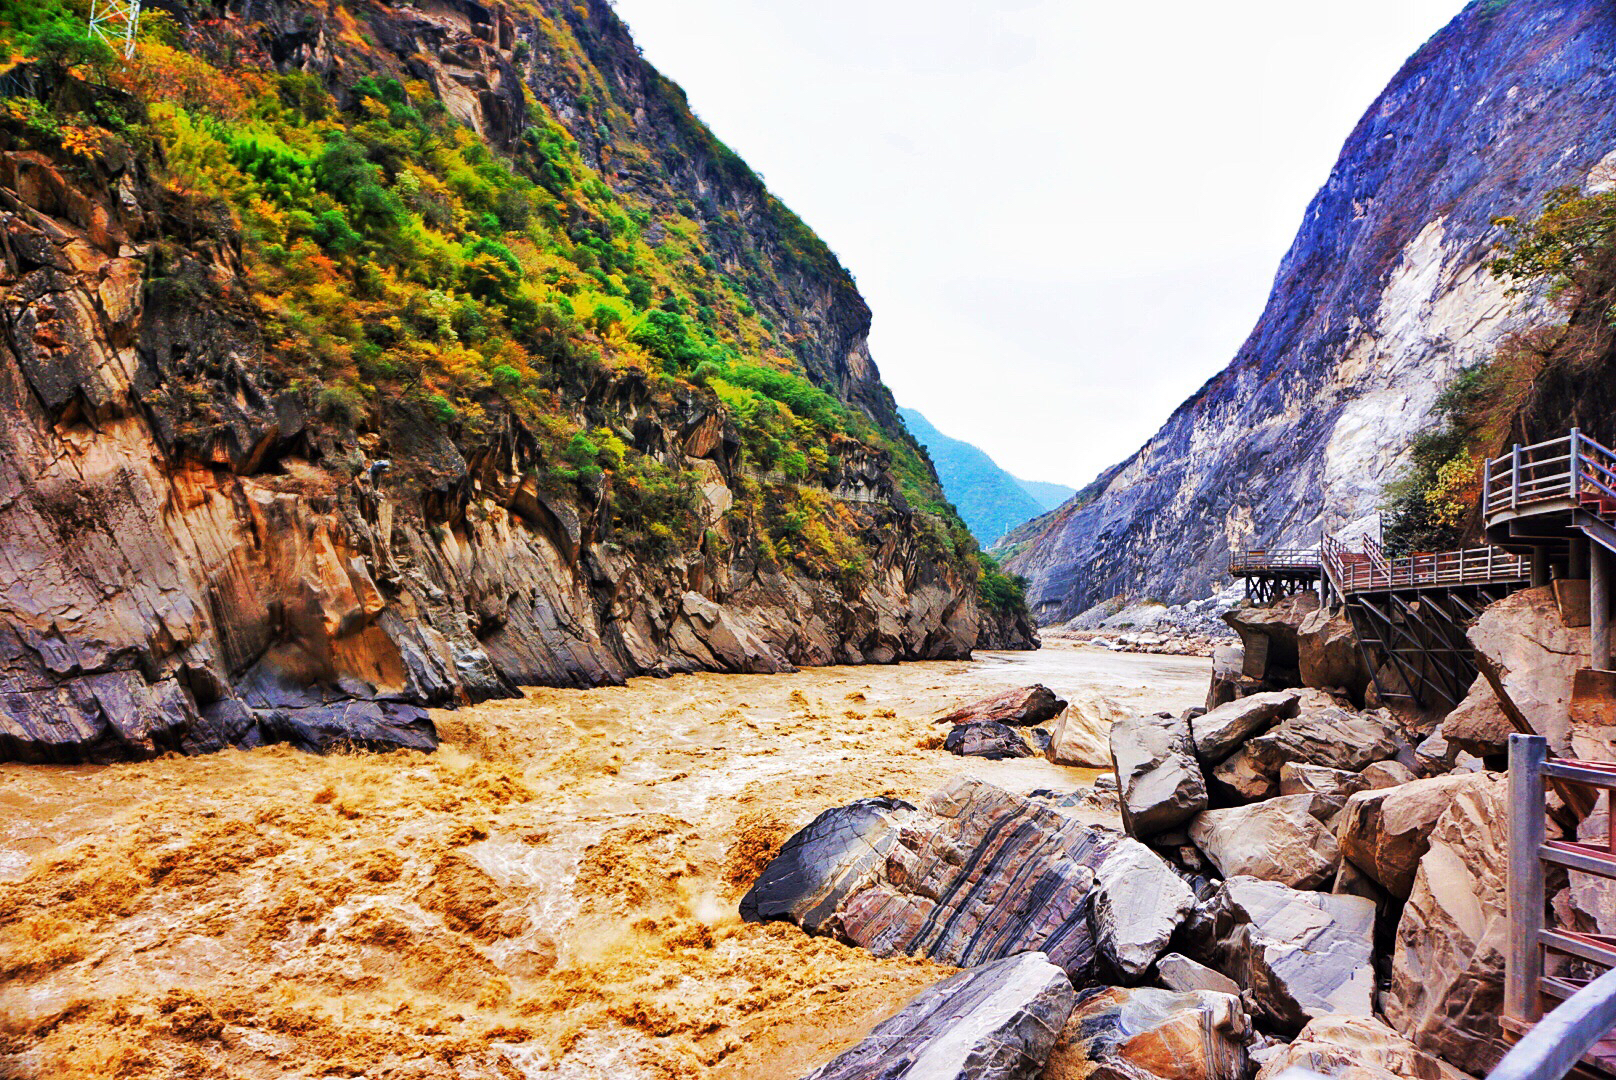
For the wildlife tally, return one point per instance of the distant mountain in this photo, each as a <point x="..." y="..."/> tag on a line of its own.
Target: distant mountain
<point x="991" y="501"/>
<point x="1048" y="495"/>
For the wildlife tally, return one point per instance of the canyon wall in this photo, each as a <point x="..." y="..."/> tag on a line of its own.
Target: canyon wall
<point x="1383" y="297"/>
<point x="196" y="552"/>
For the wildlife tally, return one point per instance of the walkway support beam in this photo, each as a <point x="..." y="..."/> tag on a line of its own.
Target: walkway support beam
<point x="1599" y="607"/>
<point x="1540" y="566"/>
<point x="1524" y="971"/>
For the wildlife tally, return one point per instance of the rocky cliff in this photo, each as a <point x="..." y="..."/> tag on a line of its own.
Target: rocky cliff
<point x="1384" y="296"/>
<point x="350" y="366"/>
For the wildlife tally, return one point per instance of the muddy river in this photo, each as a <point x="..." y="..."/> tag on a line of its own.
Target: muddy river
<point x="552" y="894"/>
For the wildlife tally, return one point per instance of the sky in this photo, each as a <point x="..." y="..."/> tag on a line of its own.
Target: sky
<point x="1066" y="214"/>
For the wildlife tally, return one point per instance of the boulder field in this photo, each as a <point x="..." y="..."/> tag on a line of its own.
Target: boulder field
<point x="1286" y="878"/>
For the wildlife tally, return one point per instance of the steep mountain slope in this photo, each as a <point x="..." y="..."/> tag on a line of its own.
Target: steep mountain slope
<point x="991" y="501"/>
<point x="359" y="357"/>
<point x="1048" y="495"/>
<point x="1383" y="297"/>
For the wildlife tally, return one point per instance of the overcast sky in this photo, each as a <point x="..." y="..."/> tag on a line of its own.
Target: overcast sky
<point x="1066" y="214"/>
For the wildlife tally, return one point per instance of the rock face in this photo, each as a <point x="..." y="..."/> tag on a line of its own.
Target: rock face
<point x="1357" y="1048"/>
<point x="1288" y="839"/>
<point x="1386" y="832"/>
<point x="995" y="1022"/>
<point x="1219" y="732"/>
<point x="1302" y="954"/>
<point x="1448" y="968"/>
<point x="1138" y="903"/>
<point x="1150" y="1034"/>
<point x="1382" y="298"/>
<point x="974" y="875"/>
<point x="1327" y="653"/>
<point x="1024" y="707"/>
<point x="986" y="740"/>
<point x="1158" y="779"/>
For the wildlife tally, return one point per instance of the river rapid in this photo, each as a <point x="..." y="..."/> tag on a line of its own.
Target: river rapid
<point x="552" y="894"/>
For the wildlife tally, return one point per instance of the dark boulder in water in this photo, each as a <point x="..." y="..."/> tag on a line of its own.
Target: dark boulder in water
<point x="991" y="741"/>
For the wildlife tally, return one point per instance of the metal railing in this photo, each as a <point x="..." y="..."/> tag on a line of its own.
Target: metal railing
<point x="1552" y="1044"/>
<point x="1369" y="570"/>
<point x="1575" y="468"/>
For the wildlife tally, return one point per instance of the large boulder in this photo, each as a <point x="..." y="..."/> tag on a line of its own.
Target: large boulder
<point x="1026" y="706"/>
<point x="1537" y="656"/>
<point x="1327" y="653"/>
<point x="1386" y="832"/>
<point x="1269" y="635"/>
<point x="986" y="740"/>
<point x="1301" y="954"/>
<point x="1139" y="901"/>
<point x="1478" y="724"/>
<point x="1158" y="779"/>
<point x="1219" y="732"/>
<point x="1241" y="774"/>
<point x="1327" y="735"/>
<point x="1356" y="1048"/>
<point x="994" y="1022"/>
<point x="1437" y="754"/>
<point x="1082" y="734"/>
<point x="349" y="725"/>
<point x="973" y="875"/>
<point x="1149" y="1034"/>
<point x="1447" y="983"/>
<point x="1288" y="839"/>
<point x="1228" y="677"/>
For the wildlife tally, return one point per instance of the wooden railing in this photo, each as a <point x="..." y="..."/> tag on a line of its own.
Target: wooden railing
<point x="1591" y="1005"/>
<point x="1256" y="560"/>
<point x="1574" y="468"/>
<point x="1369" y="570"/>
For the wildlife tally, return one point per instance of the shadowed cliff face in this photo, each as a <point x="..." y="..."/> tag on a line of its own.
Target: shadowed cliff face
<point x="1382" y="298"/>
<point x="188" y="563"/>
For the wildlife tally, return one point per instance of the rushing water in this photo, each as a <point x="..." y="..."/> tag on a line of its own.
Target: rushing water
<point x="553" y="892"/>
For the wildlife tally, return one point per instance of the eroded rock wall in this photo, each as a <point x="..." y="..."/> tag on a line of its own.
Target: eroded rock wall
<point x="1383" y="297"/>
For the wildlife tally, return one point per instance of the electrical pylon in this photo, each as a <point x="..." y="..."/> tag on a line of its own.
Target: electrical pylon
<point x="115" y="22"/>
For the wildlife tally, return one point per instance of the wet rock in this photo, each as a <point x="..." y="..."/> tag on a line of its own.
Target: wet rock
<point x="1138" y="904"/>
<point x="1178" y="972"/>
<point x="1356" y="1048"/>
<point x="819" y="866"/>
<point x="1302" y="954"/>
<point x="994" y="1022"/>
<point x="975" y="874"/>
<point x="986" y="740"/>
<point x="1447" y="980"/>
<point x="1329" y="736"/>
<point x="1287" y="839"/>
<point x="1385" y="832"/>
<point x="1318" y="780"/>
<point x="1082" y="733"/>
<point x="1158" y="778"/>
<point x="350" y="725"/>
<point x="1041" y="741"/>
<point x="1221" y="731"/>
<point x="1150" y="1034"/>
<point x="1023" y="707"/>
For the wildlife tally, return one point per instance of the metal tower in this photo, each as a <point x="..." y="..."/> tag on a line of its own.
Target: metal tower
<point x="115" y="22"/>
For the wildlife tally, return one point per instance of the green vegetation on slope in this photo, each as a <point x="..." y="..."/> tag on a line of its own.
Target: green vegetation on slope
<point x="398" y="261"/>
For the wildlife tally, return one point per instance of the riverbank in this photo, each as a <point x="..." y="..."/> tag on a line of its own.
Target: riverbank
<point x="555" y="889"/>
